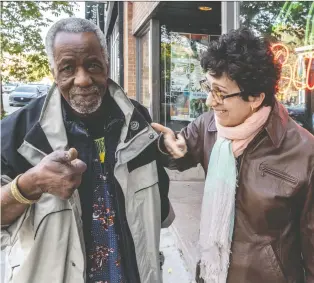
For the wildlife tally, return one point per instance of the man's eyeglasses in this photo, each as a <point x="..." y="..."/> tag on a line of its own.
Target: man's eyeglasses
<point x="215" y="93"/>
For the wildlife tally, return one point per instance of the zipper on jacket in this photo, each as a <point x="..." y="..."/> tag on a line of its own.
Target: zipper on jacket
<point x="244" y="154"/>
<point x="267" y="170"/>
<point x="130" y="275"/>
<point x="125" y="248"/>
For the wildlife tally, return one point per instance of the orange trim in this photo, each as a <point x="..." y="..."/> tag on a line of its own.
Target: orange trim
<point x="282" y="53"/>
<point x="309" y="64"/>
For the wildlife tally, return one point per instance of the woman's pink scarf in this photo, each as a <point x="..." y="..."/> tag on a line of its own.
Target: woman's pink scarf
<point x="244" y="133"/>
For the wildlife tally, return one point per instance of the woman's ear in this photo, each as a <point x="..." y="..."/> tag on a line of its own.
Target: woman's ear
<point x="256" y="101"/>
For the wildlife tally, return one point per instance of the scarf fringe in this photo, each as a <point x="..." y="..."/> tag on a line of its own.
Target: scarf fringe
<point x="213" y="273"/>
<point x="218" y="211"/>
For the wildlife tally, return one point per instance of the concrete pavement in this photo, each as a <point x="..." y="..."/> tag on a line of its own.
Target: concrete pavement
<point x="174" y="268"/>
<point x="186" y="199"/>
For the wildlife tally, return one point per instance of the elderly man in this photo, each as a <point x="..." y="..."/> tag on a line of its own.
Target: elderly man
<point x="83" y="193"/>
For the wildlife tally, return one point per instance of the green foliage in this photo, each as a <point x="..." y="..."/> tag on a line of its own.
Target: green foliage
<point x="21" y="23"/>
<point x="3" y="115"/>
<point x="276" y="18"/>
<point x="29" y="68"/>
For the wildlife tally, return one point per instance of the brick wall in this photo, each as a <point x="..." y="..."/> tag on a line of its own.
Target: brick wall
<point x="141" y="11"/>
<point x="129" y="51"/>
<point x="135" y="16"/>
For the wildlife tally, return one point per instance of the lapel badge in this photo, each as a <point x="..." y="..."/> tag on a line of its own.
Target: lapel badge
<point x="134" y="125"/>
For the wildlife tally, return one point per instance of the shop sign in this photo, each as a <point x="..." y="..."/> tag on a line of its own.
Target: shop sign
<point x="297" y="72"/>
<point x="95" y="12"/>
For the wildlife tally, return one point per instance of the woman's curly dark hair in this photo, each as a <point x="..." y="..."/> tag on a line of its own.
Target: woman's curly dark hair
<point x="246" y="59"/>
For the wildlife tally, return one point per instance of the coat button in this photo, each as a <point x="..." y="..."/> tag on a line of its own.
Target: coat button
<point x="73" y="264"/>
<point x="151" y="136"/>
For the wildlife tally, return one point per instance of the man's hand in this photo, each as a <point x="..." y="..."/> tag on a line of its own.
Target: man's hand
<point x="175" y="145"/>
<point x="59" y="174"/>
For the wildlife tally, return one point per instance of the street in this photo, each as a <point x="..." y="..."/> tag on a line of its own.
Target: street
<point x="7" y="108"/>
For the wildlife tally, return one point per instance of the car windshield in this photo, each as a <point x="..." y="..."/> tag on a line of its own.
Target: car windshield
<point x="26" y="89"/>
<point x="10" y="84"/>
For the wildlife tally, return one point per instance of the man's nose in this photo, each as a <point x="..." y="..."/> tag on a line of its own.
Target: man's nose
<point x="82" y="78"/>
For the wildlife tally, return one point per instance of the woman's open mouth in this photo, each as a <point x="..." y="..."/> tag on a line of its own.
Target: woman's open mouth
<point x="220" y="112"/>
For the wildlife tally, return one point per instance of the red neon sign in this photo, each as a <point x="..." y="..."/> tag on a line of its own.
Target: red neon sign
<point x="282" y="55"/>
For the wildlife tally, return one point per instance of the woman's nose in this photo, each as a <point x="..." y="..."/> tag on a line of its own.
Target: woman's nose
<point x="210" y="101"/>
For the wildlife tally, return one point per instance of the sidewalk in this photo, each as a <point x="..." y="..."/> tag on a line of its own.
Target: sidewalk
<point x="186" y="199"/>
<point x="174" y="268"/>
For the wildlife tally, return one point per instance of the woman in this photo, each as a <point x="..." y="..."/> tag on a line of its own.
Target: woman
<point x="257" y="221"/>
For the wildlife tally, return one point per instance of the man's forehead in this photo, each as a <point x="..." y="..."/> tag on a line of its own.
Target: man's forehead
<point x="86" y="40"/>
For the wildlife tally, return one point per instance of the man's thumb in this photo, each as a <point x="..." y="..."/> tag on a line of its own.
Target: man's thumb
<point x="64" y="156"/>
<point x="72" y="154"/>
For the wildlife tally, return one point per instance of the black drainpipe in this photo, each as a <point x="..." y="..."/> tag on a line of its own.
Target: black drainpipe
<point x="121" y="15"/>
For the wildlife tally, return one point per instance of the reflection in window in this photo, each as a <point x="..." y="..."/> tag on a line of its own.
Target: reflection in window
<point x="289" y="27"/>
<point x="145" y="97"/>
<point x="181" y="95"/>
<point x="114" y="54"/>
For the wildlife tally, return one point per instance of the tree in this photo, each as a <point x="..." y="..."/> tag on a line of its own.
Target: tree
<point x="21" y="23"/>
<point x="20" y="39"/>
<point x="29" y="68"/>
<point x="275" y="18"/>
<point x="292" y="24"/>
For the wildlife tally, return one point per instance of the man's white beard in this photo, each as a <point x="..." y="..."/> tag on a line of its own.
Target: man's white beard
<point x="85" y="107"/>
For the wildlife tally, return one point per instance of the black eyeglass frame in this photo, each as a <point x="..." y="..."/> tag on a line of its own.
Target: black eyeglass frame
<point x="222" y="97"/>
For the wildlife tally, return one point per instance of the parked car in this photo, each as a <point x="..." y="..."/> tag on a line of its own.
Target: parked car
<point x="9" y="87"/>
<point x="44" y="88"/>
<point x="24" y="94"/>
<point x="297" y="112"/>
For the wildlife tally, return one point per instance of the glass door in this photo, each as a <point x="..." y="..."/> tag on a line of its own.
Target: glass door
<point x="145" y="74"/>
<point x="181" y="73"/>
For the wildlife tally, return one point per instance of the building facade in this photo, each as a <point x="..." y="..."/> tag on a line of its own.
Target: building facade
<point x="155" y="50"/>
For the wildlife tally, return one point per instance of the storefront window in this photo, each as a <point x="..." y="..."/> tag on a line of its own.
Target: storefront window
<point x="180" y="75"/>
<point x="145" y="96"/>
<point x="114" y="54"/>
<point x="289" y="26"/>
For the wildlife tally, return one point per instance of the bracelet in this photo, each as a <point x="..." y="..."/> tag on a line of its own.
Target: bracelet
<point x="17" y="194"/>
<point x="158" y="145"/>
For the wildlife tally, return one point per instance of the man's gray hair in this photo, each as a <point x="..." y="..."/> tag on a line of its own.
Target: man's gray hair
<point x="73" y="25"/>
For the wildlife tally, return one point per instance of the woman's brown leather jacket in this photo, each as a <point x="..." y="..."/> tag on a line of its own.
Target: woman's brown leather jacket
<point x="274" y="226"/>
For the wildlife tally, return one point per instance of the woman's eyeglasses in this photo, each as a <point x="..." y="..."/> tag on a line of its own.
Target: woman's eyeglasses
<point x="215" y="93"/>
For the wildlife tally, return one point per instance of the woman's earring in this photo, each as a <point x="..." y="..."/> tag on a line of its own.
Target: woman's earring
<point x="252" y="108"/>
